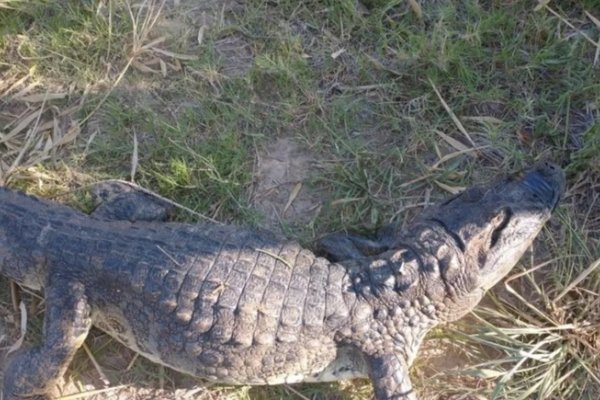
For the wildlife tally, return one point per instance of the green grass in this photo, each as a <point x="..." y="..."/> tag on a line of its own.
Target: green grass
<point x="355" y="89"/>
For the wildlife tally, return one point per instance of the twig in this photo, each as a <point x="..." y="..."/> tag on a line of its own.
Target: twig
<point x="101" y="373"/>
<point x="91" y="393"/>
<point x="584" y="274"/>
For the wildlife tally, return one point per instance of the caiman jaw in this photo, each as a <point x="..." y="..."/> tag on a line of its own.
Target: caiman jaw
<point x="540" y="190"/>
<point x="491" y="227"/>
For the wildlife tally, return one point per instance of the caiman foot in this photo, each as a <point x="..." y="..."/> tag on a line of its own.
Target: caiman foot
<point x="338" y="247"/>
<point x="390" y="378"/>
<point x="119" y="200"/>
<point x="35" y="373"/>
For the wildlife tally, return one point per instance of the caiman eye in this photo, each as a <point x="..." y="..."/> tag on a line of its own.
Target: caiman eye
<point x="503" y="218"/>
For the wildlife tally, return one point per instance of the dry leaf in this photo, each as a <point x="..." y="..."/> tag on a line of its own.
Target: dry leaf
<point x="524" y="136"/>
<point x="36" y="98"/>
<point x="153" y="43"/>
<point x="143" y="68"/>
<point x="25" y="121"/>
<point x="484" y="119"/>
<point x="3" y="84"/>
<point x="594" y="19"/>
<point x="163" y="68"/>
<point x="338" y="53"/>
<point x="346" y="201"/>
<point x="180" y="56"/>
<point x="416" y="7"/>
<point x="450" y="189"/>
<point x="455" y="154"/>
<point x="293" y="195"/>
<point x="176" y="66"/>
<point x="200" y="37"/>
<point x="134" y="157"/>
<point x="17" y="345"/>
<point x="26" y="90"/>
<point x="584" y="274"/>
<point x="455" y="119"/>
<point x="452" y="142"/>
<point x="541" y="4"/>
<point x="71" y="135"/>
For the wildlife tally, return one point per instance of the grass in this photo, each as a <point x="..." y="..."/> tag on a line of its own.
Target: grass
<point x="389" y="104"/>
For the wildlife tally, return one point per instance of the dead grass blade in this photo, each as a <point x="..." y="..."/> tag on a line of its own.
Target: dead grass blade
<point x="450" y="189"/>
<point x="38" y="133"/>
<point x="171" y="54"/>
<point x="297" y="393"/>
<point x="13" y="86"/>
<point x="483" y="119"/>
<point x="544" y="4"/>
<point x="28" y="138"/>
<point x="275" y="256"/>
<point x="457" y="122"/>
<point x="292" y="197"/>
<point x="91" y="393"/>
<point x="200" y="37"/>
<point x="416" y="8"/>
<point x="101" y="373"/>
<point x="6" y="4"/>
<point x="596" y="22"/>
<point x="584" y="274"/>
<point x="163" y="68"/>
<point x="72" y="133"/>
<point x="109" y="92"/>
<point x="144" y="68"/>
<point x="27" y="89"/>
<point x="36" y="98"/>
<point x="134" y="157"/>
<point x="17" y="345"/>
<point x="452" y="142"/>
<point x="133" y="360"/>
<point x="142" y="22"/>
<point x="456" y="154"/>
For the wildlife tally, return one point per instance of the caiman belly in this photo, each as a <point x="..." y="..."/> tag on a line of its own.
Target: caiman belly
<point x="304" y="360"/>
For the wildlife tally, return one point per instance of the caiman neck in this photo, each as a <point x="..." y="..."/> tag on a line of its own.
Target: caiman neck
<point x="428" y="273"/>
<point x="390" y="278"/>
<point x="389" y="308"/>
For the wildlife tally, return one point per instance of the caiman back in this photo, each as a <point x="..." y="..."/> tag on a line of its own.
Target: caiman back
<point x="220" y="302"/>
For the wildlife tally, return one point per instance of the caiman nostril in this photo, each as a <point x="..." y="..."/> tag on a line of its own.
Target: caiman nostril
<point x="538" y="184"/>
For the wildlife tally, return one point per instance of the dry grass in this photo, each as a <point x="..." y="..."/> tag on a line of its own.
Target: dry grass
<point x="34" y="128"/>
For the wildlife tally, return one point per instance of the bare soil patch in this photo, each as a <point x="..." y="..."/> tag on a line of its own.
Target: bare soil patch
<point x="190" y="22"/>
<point x="281" y="189"/>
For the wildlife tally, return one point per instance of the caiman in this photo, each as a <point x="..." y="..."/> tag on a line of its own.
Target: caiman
<point x="243" y="307"/>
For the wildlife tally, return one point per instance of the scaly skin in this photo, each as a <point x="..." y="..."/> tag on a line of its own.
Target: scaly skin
<point x="242" y="306"/>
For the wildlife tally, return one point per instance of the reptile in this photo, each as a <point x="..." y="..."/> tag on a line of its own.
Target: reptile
<point x="244" y="307"/>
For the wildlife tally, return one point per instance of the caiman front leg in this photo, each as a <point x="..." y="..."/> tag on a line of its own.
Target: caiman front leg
<point x="338" y="247"/>
<point x="117" y="200"/>
<point x="34" y="373"/>
<point x="390" y="378"/>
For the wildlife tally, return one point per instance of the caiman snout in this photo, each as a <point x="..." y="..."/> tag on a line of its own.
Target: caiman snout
<point x="546" y="181"/>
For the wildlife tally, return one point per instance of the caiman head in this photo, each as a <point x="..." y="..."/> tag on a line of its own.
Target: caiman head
<point x="460" y="248"/>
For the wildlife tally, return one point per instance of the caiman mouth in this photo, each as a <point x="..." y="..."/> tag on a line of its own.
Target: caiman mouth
<point x="515" y="204"/>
